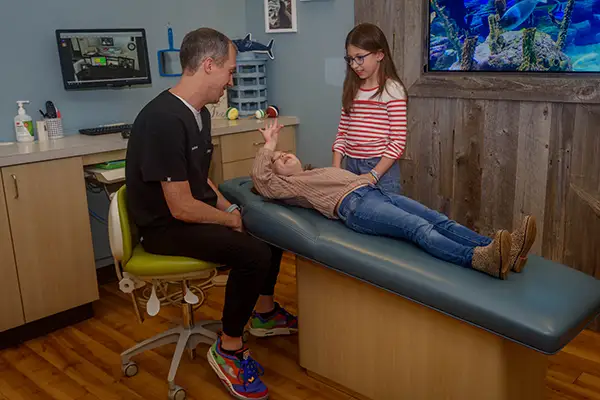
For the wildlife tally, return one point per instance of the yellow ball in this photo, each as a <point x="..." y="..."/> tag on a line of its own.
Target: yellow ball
<point x="232" y="113"/>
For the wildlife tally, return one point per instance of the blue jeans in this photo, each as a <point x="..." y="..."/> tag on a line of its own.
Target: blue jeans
<point x="371" y="211"/>
<point x="389" y="182"/>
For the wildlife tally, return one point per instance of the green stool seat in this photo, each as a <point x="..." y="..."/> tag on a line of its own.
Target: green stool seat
<point x="143" y="263"/>
<point x="132" y="256"/>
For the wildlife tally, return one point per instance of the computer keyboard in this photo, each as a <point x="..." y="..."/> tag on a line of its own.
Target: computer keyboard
<point x="124" y="129"/>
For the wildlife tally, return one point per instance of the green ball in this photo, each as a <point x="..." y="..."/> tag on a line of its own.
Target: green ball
<point x="232" y="113"/>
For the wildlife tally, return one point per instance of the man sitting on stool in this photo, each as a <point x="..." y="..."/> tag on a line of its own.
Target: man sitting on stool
<point x="180" y="212"/>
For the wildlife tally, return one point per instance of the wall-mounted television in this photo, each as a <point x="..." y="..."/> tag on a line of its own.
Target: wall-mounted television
<point x="95" y="58"/>
<point x="514" y="36"/>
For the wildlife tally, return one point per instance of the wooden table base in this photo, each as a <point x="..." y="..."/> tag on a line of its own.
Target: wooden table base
<point x="383" y="346"/>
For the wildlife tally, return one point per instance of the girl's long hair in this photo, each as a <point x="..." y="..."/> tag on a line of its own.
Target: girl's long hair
<point x="370" y="38"/>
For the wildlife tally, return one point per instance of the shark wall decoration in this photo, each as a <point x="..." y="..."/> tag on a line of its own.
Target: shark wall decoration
<point x="248" y="45"/>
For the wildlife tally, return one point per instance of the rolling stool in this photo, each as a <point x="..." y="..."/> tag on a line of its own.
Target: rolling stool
<point x="169" y="275"/>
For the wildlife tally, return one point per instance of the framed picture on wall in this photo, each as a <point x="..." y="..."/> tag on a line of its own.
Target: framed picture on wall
<point x="281" y="16"/>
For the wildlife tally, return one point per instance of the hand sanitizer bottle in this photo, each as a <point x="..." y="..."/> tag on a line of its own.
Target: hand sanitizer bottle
<point x="23" y="124"/>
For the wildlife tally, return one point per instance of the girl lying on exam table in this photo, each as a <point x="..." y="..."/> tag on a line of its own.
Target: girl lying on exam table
<point x="363" y="207"/>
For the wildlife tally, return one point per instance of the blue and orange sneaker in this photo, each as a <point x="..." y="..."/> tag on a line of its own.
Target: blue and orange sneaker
<point x="279" y="322"/>
<point x="239" y="373"/>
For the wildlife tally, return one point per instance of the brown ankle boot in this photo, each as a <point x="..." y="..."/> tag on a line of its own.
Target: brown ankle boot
<point x="493" y="259"/>
<point x="522" y="240"/>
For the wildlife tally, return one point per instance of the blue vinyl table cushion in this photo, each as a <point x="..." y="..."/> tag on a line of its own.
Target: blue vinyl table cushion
<point x="543" y="308"/>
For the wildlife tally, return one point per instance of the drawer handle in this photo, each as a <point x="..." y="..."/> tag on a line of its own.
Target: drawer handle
<point x="14" y="177"/>
<point x="258" y="143"/>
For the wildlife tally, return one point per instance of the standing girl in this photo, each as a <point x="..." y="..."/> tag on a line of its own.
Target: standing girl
<point x="372" y="129"/>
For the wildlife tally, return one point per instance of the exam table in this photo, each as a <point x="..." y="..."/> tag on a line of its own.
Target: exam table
<point x="383" y="319"/>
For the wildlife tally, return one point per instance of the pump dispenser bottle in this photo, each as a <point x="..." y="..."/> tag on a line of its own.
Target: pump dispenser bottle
<point x="23" y="124"/>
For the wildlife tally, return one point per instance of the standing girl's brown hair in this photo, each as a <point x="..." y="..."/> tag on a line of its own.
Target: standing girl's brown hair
<point x="370" y="38"/>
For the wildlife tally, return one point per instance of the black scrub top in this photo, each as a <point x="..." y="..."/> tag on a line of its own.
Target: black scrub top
<point x="166" y="145"/>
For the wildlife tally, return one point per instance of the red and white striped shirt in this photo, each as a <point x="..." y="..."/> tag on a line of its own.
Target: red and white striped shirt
<point x="375" y="127"/>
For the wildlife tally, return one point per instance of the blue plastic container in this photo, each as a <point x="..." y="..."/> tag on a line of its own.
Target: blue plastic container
<point x="249" y="91"/>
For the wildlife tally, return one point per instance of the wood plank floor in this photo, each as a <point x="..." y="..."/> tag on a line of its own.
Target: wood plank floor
<point x="82" y="362"/>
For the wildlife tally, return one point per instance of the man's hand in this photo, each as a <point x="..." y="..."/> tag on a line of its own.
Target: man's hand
<point x="271" y="134"/>
<point x="223" y="204"/>
<point x="240" y="227"/>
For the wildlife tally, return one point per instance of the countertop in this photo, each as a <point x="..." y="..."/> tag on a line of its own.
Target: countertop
<point x="75" y="145"/>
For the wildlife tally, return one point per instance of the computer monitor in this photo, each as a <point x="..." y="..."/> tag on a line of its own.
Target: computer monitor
<point x="95" y="58"/>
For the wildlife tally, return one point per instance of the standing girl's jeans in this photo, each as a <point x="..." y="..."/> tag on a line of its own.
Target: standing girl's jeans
<point x="370" y="210"/>
<point x="389" y="182"/>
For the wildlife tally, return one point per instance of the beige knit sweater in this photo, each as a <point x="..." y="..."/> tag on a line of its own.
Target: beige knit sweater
<point x="320" y="188"/>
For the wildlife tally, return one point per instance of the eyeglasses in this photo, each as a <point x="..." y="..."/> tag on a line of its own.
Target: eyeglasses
<point x="358" y="59"/>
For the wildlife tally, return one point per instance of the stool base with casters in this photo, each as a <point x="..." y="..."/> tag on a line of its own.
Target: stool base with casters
<point x="187" y="336"/>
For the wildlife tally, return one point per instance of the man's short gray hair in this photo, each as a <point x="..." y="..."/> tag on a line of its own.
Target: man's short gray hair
<point x="201" y="44"/>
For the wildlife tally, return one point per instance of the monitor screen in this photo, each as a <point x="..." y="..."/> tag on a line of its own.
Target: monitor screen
<point x="535" y="36"/>
<point x="103" y="58"/>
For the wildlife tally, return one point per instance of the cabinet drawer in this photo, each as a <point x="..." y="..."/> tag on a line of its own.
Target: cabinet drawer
<point x="243" y="146"/>
<point x="237" y="169"/>
<point x="244" y="167"/>
<point x="97" y="158"/>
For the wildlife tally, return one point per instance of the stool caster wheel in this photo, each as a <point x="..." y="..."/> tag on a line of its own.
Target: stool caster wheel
<point x="177" y="393"/>
<point x="130" y="369"/>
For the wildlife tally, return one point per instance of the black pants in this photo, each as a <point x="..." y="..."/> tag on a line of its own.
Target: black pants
<point x="254" y="264"/>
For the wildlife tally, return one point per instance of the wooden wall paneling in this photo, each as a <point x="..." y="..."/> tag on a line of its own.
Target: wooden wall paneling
<point x="390" y="17"/>
<point x="582" y="232"/>
<point x="582" y="212"/>
<point x="396" y="34"/>
<point x="409" y="161"/>
<point x="430" y="153"/>
<point x="583" y="200"/>
<point x="408" y="175"/>
<point x="419" y="127"/>
<point x="586" y="169"/>
<point x="514" y="86"/>
<point x="412" y="38"/>
<point x="499" y="152"/>
<point x="581" y="239"/>
<point x="442" y="148"/>
<point x="558" y="180"/>
<point x="582" y="228"/>
<point x="386" y="15"/>
<point x="532" y="166"/>
<point x="468" y="146"/>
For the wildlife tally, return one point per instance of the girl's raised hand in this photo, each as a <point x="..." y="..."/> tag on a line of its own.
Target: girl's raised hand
<point x="271" y="131"/>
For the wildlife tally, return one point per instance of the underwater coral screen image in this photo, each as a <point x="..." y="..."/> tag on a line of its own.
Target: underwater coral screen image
<point x="514" y="35"/>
